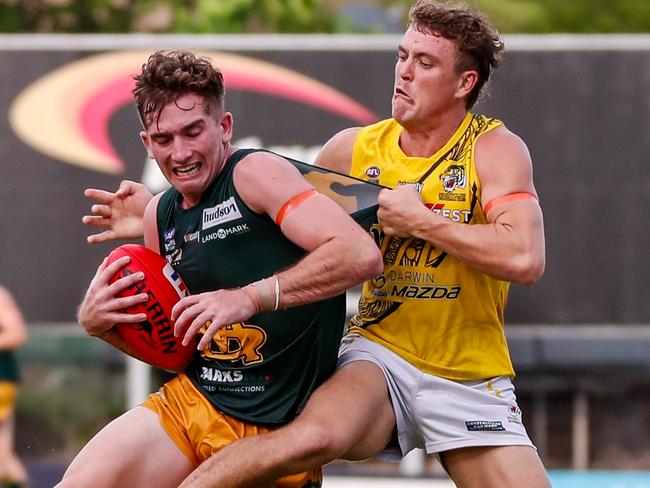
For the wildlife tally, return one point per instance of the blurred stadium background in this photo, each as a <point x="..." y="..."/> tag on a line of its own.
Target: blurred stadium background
<point x="580" y="338"/>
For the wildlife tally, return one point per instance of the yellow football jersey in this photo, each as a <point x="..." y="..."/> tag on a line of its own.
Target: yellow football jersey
<point x="439" y="314"/>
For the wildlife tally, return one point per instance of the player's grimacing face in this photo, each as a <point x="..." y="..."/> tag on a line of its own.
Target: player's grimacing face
<point x="189" y="144"/>
<point x="426" y="79"/>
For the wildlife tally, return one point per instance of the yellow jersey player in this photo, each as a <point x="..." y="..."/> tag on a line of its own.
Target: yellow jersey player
<point x="425" y="363"/>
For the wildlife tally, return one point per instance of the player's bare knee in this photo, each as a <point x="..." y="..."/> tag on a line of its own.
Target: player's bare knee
<point x="319" y="443"/>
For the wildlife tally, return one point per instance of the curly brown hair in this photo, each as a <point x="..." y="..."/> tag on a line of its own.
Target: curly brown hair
<point x="479" y="44"/>
<point x="168" y="75"/>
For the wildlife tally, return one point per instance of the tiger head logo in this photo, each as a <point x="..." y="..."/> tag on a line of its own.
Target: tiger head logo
<point x="453" y="178"/>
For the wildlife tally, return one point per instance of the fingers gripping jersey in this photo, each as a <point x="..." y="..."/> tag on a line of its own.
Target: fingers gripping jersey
<point x="439" y="314"/>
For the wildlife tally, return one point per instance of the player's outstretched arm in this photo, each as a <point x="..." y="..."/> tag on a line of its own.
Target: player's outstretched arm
<point x="119" y="213"/>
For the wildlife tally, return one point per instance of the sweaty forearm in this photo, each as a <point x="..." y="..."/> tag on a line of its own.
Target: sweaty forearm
<point x="329" y="270"/>
<point x="505" y="250"/>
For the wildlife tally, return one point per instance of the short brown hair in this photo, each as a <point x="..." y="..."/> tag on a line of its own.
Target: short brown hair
<point x="166" y="76"/>
<point x="479" y="44"/>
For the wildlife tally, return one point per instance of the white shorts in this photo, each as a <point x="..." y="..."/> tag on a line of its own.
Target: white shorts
<point x="437" y="414"/>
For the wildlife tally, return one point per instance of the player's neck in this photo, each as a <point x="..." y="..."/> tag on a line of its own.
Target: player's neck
<point x="424" y="140"/>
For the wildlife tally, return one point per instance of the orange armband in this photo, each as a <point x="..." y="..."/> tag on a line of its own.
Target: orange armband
<point x="508" y="198"/>
<point x="293" y="203"/>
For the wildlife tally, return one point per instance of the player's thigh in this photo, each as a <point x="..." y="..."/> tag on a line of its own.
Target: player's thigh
<point x="353" y="410"/>
<point x="131" y="451"/>
<point x="495" y="467"/>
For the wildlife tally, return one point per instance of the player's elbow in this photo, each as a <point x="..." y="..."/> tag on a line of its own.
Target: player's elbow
<point x="373" y="265"/>
<point x="21" y="337"/>
<point x="528" y="269"/>
<point x="368" y="262"/>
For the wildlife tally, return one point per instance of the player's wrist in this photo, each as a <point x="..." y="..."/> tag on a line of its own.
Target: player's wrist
<point x="427" y="225"/>
<point x="265" y="294"/>
<point x="253" y="295"/>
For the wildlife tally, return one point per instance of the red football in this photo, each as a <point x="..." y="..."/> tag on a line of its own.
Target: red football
<point x="154" y="338"/>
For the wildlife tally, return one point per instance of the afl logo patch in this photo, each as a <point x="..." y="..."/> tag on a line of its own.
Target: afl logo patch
<point x="373" y="172"/>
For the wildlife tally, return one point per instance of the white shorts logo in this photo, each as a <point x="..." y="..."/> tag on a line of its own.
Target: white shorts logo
<point x="220" y="213"/>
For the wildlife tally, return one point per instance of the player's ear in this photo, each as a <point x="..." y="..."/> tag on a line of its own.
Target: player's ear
<point x="144" y="137"/>
<point x="466" y="83"/>
<point x="226" y="123"/>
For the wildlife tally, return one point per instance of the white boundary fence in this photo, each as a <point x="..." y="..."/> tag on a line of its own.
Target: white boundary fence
<point x="316" y="42"/>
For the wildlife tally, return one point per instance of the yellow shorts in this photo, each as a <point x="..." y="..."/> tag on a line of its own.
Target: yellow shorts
<point x="199" y="429"/>
<point x="8" y="391"/>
